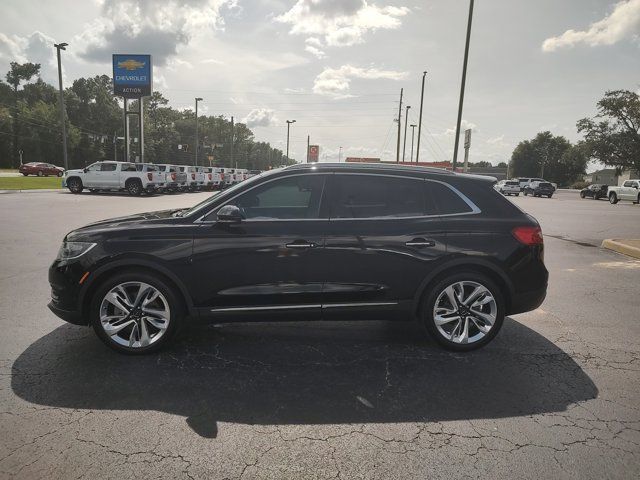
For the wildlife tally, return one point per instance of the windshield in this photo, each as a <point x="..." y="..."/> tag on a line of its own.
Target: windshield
<point x="202" y="206"/>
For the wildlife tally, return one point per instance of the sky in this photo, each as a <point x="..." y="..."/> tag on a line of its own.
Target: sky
<point x="337" y="66"/>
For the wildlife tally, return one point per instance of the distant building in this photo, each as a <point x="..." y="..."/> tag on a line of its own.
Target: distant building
<point x="607" y="176"/>
<point x="362" y="160"/>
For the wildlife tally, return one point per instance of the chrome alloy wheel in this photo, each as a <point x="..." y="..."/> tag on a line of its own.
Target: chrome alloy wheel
<point x="464" y="312"/>
<point x="134" y="314"/>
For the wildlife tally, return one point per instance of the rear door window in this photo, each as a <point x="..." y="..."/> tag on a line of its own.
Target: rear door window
<point x="376" y="196"/>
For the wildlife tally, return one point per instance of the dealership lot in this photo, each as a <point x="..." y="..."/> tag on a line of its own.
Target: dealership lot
<point x="556" y="395"/>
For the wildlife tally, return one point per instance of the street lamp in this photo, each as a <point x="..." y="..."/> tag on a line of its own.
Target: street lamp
<point x="339" y="154"/>
<point x="61" y="46"/>
<point x="198" y="99"/>
<point x="413" y="131"/>
<point x="289" y="122"/>
<point x="406" y="118"/>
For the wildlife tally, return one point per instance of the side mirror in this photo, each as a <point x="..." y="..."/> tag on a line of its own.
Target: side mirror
<point x="230" y="214"/>
<point x="85" y="170"/>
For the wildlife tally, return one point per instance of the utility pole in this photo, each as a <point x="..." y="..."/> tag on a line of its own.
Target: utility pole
<point x="198" y="99"/>
<point x="424" y="74"/>
<point x="339" y="154"/>
<point x="406" y="121"/>
<point x="126" y="130"/>
<point x="232" y="135"/>
<point x="289" y="122"/>
<point x="399" y="130"/>
<point x="141" y="129"/>
<point x="413" y="132"/>
<point x="308" y="140"/>
<point x="464" y="78"/>
<point x="61" y="46"/>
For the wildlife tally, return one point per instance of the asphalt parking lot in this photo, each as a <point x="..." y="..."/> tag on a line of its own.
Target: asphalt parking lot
<point x="555" y="395"/>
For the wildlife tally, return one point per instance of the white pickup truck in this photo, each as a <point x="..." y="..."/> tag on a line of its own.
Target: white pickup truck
<point x="630" y="191"/>
<point x="174" y="179"/>
<point x="212" y="178"/>
<point x="134" y="178"/>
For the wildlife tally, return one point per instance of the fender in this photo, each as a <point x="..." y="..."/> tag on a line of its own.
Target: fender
<point x="135" y="262"/>
<point x="461" y="261"/>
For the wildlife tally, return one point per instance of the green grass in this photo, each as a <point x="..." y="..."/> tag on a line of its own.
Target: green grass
<point x="29" y="183"/>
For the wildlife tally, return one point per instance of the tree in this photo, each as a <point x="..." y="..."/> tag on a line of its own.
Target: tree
<point x="19" y="72"/>
<point x="550" y="157"/>
<point x="613" y="135"/>
<point x="502" y="165"/>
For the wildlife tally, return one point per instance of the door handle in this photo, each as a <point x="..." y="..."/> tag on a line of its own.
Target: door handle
<point x="420" y="242"/>
<point x="300" y="244"/>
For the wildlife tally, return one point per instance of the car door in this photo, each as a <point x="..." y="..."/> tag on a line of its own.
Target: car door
<point x="270" y="262"/>
<point x="383" y="239"/>
<point x="109" y="176"/>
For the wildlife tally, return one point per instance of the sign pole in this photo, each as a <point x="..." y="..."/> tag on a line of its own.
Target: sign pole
<point x="126" y="131"/>
<point x="141" y="129"/>
<point x="467" y="144"/>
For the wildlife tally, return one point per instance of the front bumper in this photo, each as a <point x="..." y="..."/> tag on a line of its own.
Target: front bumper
<point x="70" y="316"/>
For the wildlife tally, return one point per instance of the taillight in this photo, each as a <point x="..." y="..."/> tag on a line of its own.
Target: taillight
<point x="222" y="176"/>
<point x="173" y="177"/>
<point x="150" y="176"/>
<point x="528" y="235"/>
<point x="193" y="176"/>
<point x="210" y="177"/>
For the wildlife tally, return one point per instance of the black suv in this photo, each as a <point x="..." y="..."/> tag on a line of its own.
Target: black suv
<point x="310" y="242"/>
<point x="539" y="189"/>
<point x="595" y="191"/>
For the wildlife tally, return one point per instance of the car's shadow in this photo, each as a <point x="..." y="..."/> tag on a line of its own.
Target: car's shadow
<point x="306" y="373"/>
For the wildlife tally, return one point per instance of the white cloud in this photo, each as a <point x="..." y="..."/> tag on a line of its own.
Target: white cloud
<point x="315" y="51"/>
<point x="336" y="81"/>
<point x="260" y="117"/>
<point x="314" y="46"/>
<point x="623" y="22"/>
<point x="159" y="27"/>
<point x="340" y="22"/>
<point x="12" y="48"/>
<point x="35" y="48"/>
<point x="464" y="125"/>
<point x="212" y="61"/>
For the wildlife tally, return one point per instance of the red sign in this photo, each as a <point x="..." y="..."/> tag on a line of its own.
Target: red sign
<point x="314" y="153"/>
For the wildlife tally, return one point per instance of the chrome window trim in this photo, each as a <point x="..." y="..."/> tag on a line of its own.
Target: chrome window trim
<point x="356" y="304"/>
<point x="474" y="208"/>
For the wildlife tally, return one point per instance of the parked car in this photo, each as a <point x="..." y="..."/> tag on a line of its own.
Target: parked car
<point x="539" y="189"/>
<point x="229" y="177"/>
<point x="595" y="191"/>
<point x="525" y="181"/>
<point x="134" y="178"/>
<point x="213" y="178"/>
<point x="174" y="179"/>
<point x="629" y="191"/>
<point x="195" y="178"/>
<point x="321" y="241"/>
<point x="40" y="169"/>
<point x="508" y="187"/>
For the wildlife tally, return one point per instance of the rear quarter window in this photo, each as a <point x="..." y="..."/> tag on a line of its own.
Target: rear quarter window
<point x="446" y="200"/>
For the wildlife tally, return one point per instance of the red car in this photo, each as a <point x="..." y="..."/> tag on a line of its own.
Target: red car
<point x="40" y="169"/>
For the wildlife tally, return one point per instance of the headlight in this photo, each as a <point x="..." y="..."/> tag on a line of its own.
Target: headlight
<point x="72" y="250"/>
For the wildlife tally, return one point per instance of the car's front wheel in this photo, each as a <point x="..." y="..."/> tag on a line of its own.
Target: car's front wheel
<point x="25" y="174"/>
<point x="135" y="313"/>
<point x="613" y="198"/>
<point x="75" y="185"/>
<point x="59" y="174"/>
<point x="134" y="187"/>
<point x="463" y="311"/>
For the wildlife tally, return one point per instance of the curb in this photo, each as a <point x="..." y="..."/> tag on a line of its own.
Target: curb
<point x="626" y="247"/>
<point x="33" y="190"/>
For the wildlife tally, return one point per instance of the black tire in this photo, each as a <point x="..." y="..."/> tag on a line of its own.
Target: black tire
<point x="74" y="185"/>
<point x="25" y="174"/>
<point x="582" y="195"/>
<point x="40" y="173"/>
<point x="613" y="198"/>
<point x="434" y="291"/>
<point x="549" y="196"/>
<point x="59" y="174"/>
<point x="133" y="186"/>
<point x="517" y="194"/>
<point x="525" y="193"/>
<point x="175" y="305"/>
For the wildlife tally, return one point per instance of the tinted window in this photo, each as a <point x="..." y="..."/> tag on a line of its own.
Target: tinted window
<point x="128" y="167"/>
<point x="513" y="184"/>
<point x="447" y="200"/>
<point x="286" y="198"/>
<point x="108" y="167"/>
<point x="367" y="196"/>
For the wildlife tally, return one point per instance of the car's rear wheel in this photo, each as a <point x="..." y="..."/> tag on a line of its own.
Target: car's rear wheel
<point x="613" y="198"/>
<point x="134" y="187"/>
<point x="135" y="313"/>
<point x="582" y="195"/>
<point x="40" y="173"/>
<point x="25" y="174"/>
<point x="463" y="311"/>
<point x="75" y="185"/>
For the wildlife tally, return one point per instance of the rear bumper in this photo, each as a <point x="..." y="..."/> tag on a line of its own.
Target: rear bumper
<point x="527" y="301"/>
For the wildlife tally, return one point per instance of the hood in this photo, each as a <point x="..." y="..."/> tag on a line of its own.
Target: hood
<point x="128" y="222"/>
<point x="75" y="170"/>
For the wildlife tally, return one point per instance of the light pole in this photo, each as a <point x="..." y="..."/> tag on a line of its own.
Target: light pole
<point x="406" y="118"/>
<point x="289" y="122"/>
<point x="413" y="132"/>
<point x="424" y="74"/>
<point x="462" y="83"/>
<point x="198" y="99"/>
<point x="339" y="154"/>
<point x="61" y="46"/>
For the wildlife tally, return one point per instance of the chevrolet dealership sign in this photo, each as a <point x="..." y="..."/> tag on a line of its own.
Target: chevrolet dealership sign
<point x="132" y="75"/>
